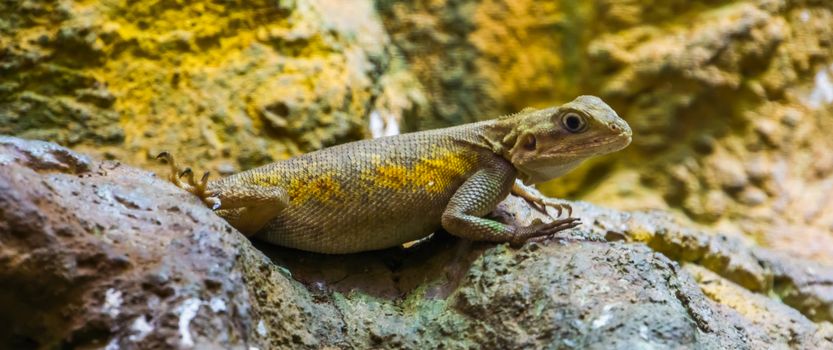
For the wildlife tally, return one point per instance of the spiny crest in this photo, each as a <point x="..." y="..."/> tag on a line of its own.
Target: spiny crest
<point x="523" y="111"/>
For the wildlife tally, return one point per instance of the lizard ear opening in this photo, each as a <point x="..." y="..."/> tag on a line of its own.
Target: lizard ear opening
<point x="530" y="143"/>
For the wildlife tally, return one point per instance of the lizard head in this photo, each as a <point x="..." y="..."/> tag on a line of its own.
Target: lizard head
<point x="547" y="143"/>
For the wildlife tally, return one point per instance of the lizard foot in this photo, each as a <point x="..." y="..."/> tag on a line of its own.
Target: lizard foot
<point x="542" y="203"/>
<point x="539" y="201"/>
<point x="198" y="188"/>
<point x="539" y="229"/>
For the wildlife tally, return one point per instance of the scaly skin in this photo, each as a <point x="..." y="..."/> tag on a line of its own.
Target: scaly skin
<point x="380" y="193"/>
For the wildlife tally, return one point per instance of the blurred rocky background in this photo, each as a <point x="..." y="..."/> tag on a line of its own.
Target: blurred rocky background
<point x="731" y="103"/>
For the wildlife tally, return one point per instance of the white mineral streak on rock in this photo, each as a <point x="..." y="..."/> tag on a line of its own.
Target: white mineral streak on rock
<point x="823" y="90"/>
<point x="261" y="328"/>
<point x="217" y="304"/>
<point x="377" y="125"/>
<point x="140" y="328"/>
<point x="604" y="318"/>
<point x="187" y="312"/>
<point x="383" y="125"/>
<point x="113" y="344"/>
<point x="112" y="302"/>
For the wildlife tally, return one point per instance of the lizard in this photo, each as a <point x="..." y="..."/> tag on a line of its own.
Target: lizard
<point x="380" y="193"/>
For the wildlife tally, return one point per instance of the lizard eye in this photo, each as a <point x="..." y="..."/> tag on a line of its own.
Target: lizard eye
<point x="573" y="123"/>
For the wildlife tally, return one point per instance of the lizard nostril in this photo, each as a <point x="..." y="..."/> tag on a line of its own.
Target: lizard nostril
<point x="614" y="127"/>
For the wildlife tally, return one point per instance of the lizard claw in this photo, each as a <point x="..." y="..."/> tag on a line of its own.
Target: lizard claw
<point x="544" y="203"/>
<point x="539" y="201"/>
<point x="200" y="189"/>
<point x="202" y="186"/>
<point x="559" y="206"/>
<point x="523" y="234"/>
<point x="187" y="171"/>
<point x="174" y="176"/>
<point x="164" y="156"/>
<point x="536" y="205"/>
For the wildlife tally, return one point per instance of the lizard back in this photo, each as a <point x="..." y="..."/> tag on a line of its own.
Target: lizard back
<point x="370" y="194"/>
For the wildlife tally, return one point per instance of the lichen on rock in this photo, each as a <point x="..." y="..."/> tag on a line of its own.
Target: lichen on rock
<point x="730" y="105"/>
<point x="243" y="83"/>
<point x="723" y="99"/>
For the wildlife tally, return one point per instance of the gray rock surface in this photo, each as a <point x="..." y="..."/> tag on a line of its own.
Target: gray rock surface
<point x="96" y="254"/>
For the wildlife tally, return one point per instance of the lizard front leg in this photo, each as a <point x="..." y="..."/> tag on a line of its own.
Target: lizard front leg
<point x="478" y="196"/>
<point x="536" y="198"/>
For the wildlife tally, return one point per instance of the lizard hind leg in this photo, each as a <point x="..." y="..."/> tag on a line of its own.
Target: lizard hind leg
<point x="198" y="188"/>
<point x="248" y="207"/>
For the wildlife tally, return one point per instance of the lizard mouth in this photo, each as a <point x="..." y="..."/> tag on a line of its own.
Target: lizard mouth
<point x="598" y="146"/>
<point x="550" y="165"/>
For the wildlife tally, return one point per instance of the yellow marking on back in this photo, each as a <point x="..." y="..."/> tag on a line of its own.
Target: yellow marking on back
<point x="434" y="173"/>
<point x="392" y="176"/>
<point x="324" y="188"/>
<point x="266" y="179"/>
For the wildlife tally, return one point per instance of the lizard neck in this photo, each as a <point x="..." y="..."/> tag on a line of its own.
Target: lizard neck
<point x="495" y="136"/>
<point x="499" y="136"/>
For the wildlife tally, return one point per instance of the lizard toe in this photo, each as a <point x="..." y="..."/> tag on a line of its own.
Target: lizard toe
<point x="523" y="234"/>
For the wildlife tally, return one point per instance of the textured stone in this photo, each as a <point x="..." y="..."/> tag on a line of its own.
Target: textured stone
<point x="769" y="321"/>
<point x="228" y="82"/>
<point x="726" y="100"/>
<point x="730" y="105"/>
<point x="99" y="254"/>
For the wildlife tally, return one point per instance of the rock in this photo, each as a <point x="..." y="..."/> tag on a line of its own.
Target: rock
<point x="99" y="254"/>
<point x="719" y="85"/>
<point x="752" y="196"/>
<point x="245" y="83"/>
<point x="229" y="86"/>
<point x="767" y="321"/>
<point x="730" y="106"/>
<point x="589" y="295"/>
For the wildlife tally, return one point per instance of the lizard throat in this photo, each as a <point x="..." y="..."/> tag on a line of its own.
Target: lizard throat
<point x="536" y="173"/>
